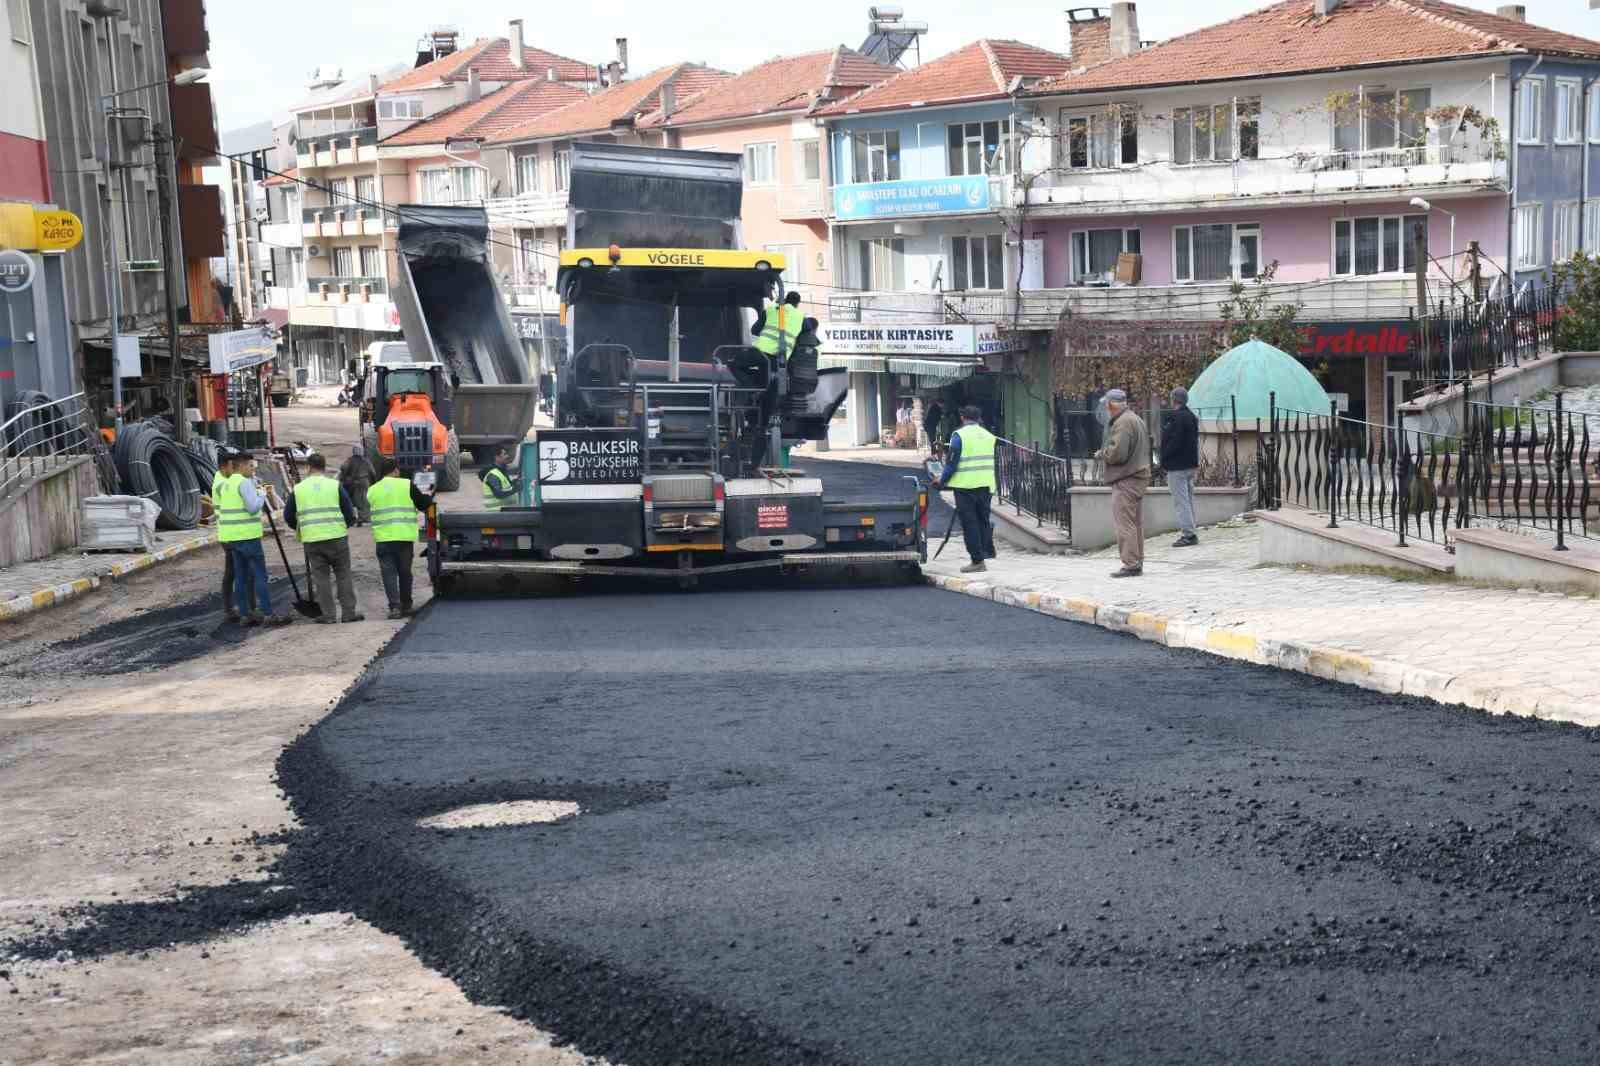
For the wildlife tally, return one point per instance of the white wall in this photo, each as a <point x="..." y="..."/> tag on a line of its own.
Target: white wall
<point x="19" y="97"/>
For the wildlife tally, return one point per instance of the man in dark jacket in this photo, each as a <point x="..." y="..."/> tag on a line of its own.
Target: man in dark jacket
<point x="1180" y="456"/>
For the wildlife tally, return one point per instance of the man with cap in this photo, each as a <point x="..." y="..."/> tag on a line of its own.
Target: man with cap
<point x="1126" y="456"/>
<point x="1180" y="457"/>
<point x="777" y="327"/>
<point x="356" y="475"/>
<point x="321" y="513"/>
<point x="969" y="473"/>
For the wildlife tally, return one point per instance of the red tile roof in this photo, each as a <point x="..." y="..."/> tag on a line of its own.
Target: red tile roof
<point x="491" y="58"/>
<point x="514" y="104"/>
<point x="620" y="103"/>
<point x="1290" y="38"/>
<point x="787" y="83"/>
<point x="287" y="177"/>
<point x="982" y="70"/>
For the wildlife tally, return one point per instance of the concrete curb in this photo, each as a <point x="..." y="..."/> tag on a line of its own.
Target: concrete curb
<point x="40" y="599"/>
<point x="1333" y="664"/>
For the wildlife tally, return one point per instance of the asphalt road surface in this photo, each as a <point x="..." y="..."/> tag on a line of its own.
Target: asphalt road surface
<point x="902" y="826"/>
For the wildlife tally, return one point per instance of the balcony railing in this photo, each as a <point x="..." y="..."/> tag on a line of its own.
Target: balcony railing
<point x="802" y="201"/>
<point x="341" y="285"/>
<point x="333" y="148"/>
<point x="1302" y="174"/>
<point x="533" y="209"/>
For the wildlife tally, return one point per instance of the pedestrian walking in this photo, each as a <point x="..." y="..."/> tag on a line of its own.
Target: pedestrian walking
<point x="499" y="483"/>
<point x="1127" y="470"/>
<point x="1180" y="458"/>
<point x="240" y="502"/>
<point x="356" y="475"/>
<point x="969" y="473"/>
<point x="321" y="513"/>
<point x="932" y="418"/>
<point x="396" y="501"/>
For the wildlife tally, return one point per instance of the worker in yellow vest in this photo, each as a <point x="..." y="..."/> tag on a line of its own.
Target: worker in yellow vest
<point x="395" y="502"/>
<point x="969" y="473"/>
<point x="321" y="513"/>
<point x="230" y="610"/>
<point x="775" y="331"/>
<point x="500" y="485"/>
<point x="239" y="502"/>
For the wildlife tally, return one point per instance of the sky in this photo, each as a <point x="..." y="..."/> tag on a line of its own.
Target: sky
<point x="262" y="55"/>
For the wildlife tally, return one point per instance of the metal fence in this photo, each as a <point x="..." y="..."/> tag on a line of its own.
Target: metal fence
<point x="1035" y="483"/>
<point x="38" y="439"/>
<point x="1533" y="467"/>
<point x="1463" y="338"/>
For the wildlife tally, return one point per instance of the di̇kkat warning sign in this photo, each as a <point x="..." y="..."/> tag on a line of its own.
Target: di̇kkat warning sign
<point x="589" y="456"/>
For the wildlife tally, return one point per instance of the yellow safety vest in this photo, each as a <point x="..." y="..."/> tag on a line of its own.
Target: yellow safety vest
<point x="394" y="517"/>
<point x="491" y="502"/>
<point x="781" y="324"/>
<point x="234" y="522"/>
<point x="975" y="465"/>
<point x="316" y="510"/>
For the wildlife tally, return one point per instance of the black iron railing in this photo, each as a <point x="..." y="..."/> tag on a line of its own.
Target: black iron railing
<point x="1035" y="483"/>
<point x="1535" y="467"/>
<point x="1462" y="338"/>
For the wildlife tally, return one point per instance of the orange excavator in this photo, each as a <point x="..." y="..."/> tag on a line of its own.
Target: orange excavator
<point x="406" y="416"/>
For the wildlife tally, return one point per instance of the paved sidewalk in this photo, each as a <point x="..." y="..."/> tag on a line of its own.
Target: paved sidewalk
<point x="34" y="586"/>
<point x="1522" y="652"/>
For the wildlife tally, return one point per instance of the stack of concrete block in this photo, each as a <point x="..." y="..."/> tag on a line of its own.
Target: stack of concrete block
<point x="118" y="523"/>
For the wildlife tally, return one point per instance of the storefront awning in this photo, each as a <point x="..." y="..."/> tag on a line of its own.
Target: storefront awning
<point x="934" y="370"/>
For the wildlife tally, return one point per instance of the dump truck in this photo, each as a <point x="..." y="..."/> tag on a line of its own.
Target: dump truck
<point x="471" y="376"/>
<point x="667" y="458"/>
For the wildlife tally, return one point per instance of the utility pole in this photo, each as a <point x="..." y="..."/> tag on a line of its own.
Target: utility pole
<point x="165" y="175"/>
<point x="1419" y="241"/>
<point x="1475" y="254"/>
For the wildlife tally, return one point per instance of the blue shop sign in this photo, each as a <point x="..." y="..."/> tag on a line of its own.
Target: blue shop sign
<point x="893" y="199"/>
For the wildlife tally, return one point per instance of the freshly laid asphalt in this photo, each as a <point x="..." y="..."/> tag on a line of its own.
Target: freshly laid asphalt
<point x="901" y="826"/>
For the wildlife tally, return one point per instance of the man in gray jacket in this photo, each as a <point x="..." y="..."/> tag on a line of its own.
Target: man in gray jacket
<point x="1127" y="470"/>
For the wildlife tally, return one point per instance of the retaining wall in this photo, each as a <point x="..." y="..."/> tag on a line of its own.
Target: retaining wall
<point x="41" y="518"/>
<point x="1091" y="512"/>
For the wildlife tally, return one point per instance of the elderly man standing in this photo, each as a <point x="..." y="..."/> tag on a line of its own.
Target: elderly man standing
<point x="1180" y="457"/>
<point x="1127" y="465"/>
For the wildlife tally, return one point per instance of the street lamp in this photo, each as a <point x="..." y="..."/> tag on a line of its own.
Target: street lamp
<point x="114" y="259"/>
<point x="1450" y="339"/>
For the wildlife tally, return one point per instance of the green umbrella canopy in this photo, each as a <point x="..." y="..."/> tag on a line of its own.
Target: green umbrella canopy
<point x="1250" y="374"/>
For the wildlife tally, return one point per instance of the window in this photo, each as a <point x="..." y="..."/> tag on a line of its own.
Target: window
<point x="1217" y="133"/>
<point x="1095" y="251"/>
<point x="1216" y="252"/>
<point x="1528" y="237"/>
<point x="977" y="262"/>
<point x="527" y="165"/>
<point x="399" y="109"/>
<point x="1569" y="111"/>
<point x="449" y="185"/>
<point x="1530" y="111"/>
<point x="975" y="148"/>
<point x="17" y="12"/>
<point x="527" y="256"/>
<point x="1594" y="113"/>
<point x="467" y="183"/>
<point x="371" y="261"/>
<point x="344" y="262"/>
<point x="1591" y="227"/>
<point x="883" y="264"/>
<point x="794" y="257"/>
<point x="435" y="185"/>
<point x="1373" y="119"/>
<point x="563" y="168"/>
<point x="1379" y="245"/>
<point x="808" y="160"/>
<point x="761" y="163"/>
<point x="1099" y="140"/>
<point x="877" y="156"/>
<point x="367" y="191"/>
<point x="339" y="192"/>
<point x="1564" y="231"/>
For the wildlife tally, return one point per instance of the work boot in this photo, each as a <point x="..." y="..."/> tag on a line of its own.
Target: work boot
<point x="407" y="610"/>
<point x="323" y="620"/>
<point x="280" y="619"/>
<point x="974" y="568"/>
<point x="1188" y="540"/>
<point x="357" y="617"/>
<point x="230" y="615"/>
<point x="393" y="613"/>
<point x="1128" y="571"/>
<point x="254" y="618"/>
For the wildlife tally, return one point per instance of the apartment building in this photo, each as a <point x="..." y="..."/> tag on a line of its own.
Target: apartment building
<point x="343" y="186"/>
<point x="766" y="115"/>
<point x="923" y="171"/>
<point x="1317" y="138"/>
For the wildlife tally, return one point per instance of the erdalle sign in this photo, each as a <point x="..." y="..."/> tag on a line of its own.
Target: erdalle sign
<point x="1358" y="340"/>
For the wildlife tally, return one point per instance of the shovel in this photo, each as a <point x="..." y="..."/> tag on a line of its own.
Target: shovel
<point x="309" y="608"/>
<point x="936" y="471"/>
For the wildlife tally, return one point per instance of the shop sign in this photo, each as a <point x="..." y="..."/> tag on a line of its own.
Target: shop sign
<point x="16" y="272"/>
<point x="896" y="199"/>
<point x="57" y="231"/>
<point x="1376" y="339"/>
<point x="855" y="338"/>
<point x="241" y="349"/>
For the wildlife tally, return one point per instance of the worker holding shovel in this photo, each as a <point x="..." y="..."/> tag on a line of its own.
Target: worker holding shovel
<point x="240" y="505"/>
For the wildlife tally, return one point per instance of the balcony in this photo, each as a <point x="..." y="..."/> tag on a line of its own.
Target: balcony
<point x="339" y="289"/>
<point x="285" y="296"/>
<point x="528" y="210"/>
<point x="1304" y="177"/>
<point x="282" y="234"/>
<point x="350" y="221"/>
<point x="802" y="201"/>
<point x="1341" y="299"/>
<point x="338" y="149"/>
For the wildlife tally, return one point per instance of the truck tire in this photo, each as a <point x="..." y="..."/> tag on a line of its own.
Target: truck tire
<point x="450" y="476"/>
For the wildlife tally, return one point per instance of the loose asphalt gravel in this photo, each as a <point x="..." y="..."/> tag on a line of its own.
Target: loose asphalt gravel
<point x="895" y="825"/>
